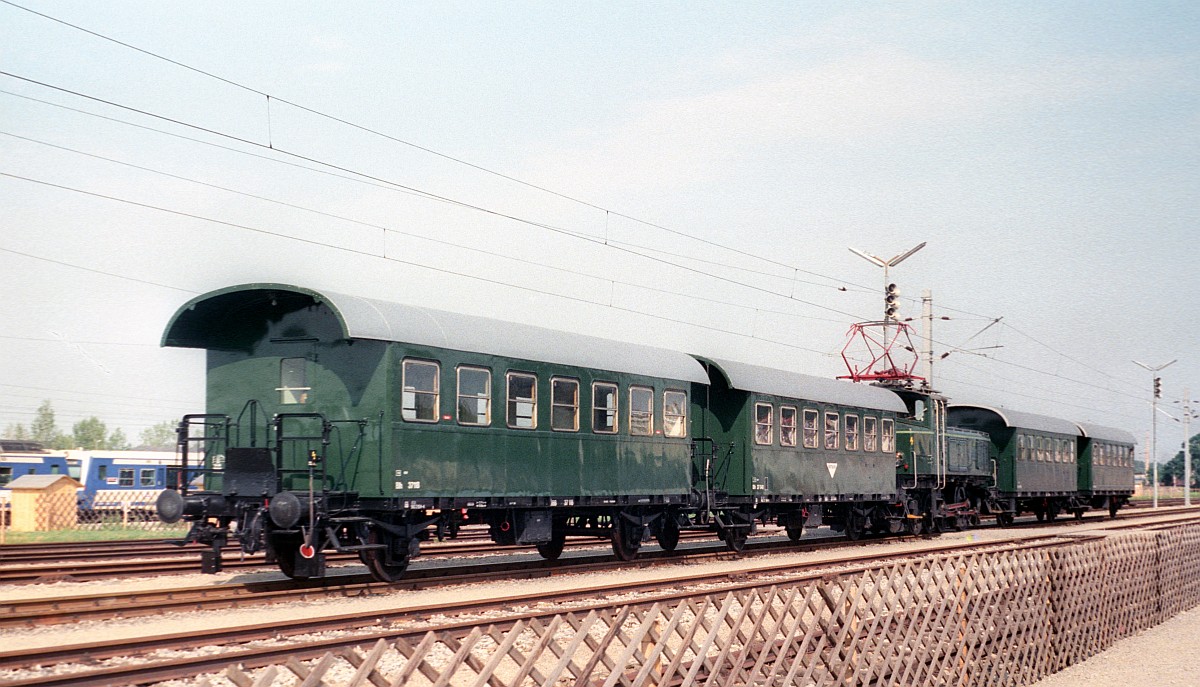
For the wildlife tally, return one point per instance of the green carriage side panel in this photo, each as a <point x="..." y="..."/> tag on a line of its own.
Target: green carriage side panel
<point x="777" y="471"/>
<point x="342" y="356"/>
<point x="447" y="459"/>
<point x="1105" y="460"/>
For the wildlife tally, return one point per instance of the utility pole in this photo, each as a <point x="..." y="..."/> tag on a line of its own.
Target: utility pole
<point x="1156" y="392"/>
<point x="1187" y="447"/>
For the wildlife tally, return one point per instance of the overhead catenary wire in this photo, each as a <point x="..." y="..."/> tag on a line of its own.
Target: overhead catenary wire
<point x="363" y="253"/>
<point x="269" y="96"/>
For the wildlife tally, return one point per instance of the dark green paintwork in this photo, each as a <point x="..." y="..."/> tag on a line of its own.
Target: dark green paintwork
<point x="788" y="473"/>
<point x="361" y="380"/>
<point x="1107" y="479"/>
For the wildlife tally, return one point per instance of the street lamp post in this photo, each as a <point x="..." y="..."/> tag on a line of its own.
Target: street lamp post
<point x="1156" y="391"/>
<point x="888" y="289"/>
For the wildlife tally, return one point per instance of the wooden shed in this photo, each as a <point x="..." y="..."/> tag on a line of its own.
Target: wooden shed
<point x="44" y="502"/>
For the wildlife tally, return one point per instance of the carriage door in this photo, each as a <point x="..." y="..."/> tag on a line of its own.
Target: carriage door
<point x="295" y="372"/>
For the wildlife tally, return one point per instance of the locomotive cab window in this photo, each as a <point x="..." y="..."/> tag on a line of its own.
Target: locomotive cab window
<point x="675" y="414"/>
<point x="811" y="437"/>
<point x="522" y="400"/>
<point x="870" y="433"/>
<point x="831" y="431"/>
<point x="604" y="408"/>
<point x="641" y="411"/>
<point x="764" y="423"/>
<point x="889" y="435"/>
<point x="293" y="381"/>
<point x="787" y="426"/>
<point x="419" y="397"/>
<point x="564" y="400"/>
<point x="474" y="396"/>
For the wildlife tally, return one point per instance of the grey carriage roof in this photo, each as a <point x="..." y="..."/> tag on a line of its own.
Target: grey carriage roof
<point x="1106" y="433"/>
<point x="1019" y="420"/>
<point x="368" y="318"/>
<point x="766" y="380"/>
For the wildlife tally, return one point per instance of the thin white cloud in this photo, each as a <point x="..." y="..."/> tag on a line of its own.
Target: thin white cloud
<point x="870" y="97"/>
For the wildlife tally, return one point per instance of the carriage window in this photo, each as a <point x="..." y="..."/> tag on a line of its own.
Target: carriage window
<point x="787" y="426"/>
<point x="5" y="476"/>
<point x="870" y="433"/>
<point x="293" y="381"/>
<point x="851" y="432"/>
<point x="604" y="408"/>
<point x="889" y="435"/>
<point x="641" y="411"/>
<point x="474" y="396"/>
<point x="564" y="404"/>
<point x="831" y="431"/>
<point x="125" y="477"/>
<point x="147" y="477"/>
<point x="675" y="413"/>
<point x="811" y="440"/>
<point x="522" y="400"/>
<point x="419" y="400"/>
<point x="764" y="423"/>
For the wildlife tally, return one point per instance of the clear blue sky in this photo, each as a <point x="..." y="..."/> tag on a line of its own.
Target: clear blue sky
<point x="1047" y="152"/>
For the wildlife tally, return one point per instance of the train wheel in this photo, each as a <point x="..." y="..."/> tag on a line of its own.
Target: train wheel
<point x="668" y="536"/>
<point x="1113" y="507"/>
<point x="625" y="542"/>
<point x="377" y="559"/>
<point x="1004" y="519"/>
<point x="794" y="533"/>
<point x="552" y="549"/>
<point x="916" y="526"/>
<point x="1052" y="512"/>
<point x="287" y="548"/>
<point x="735" y="539"/>
<point x="855" y="524"/>
<point x="1040" y="515"/>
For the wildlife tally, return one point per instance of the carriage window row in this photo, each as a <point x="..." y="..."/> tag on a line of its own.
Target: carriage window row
<point x="860" y="433"/>
<point x="1112" y="455"/>
<point x="1045" y="449"/>
<point x="420" y="401"/>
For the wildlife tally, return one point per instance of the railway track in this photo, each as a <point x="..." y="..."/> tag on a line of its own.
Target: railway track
<point x="412" y="621"/>
<point x="36" y="563"/>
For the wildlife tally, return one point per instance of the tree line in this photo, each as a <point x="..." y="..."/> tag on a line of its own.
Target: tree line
<point x="1170" y="473"/>
<point x="90" y="433"/>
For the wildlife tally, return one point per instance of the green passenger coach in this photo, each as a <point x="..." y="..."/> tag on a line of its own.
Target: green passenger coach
<point x="1105" y="466"/>
<point x="1037" y="459"/>
<point x="357" y="424"/>
<point x="800" y="447"/>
